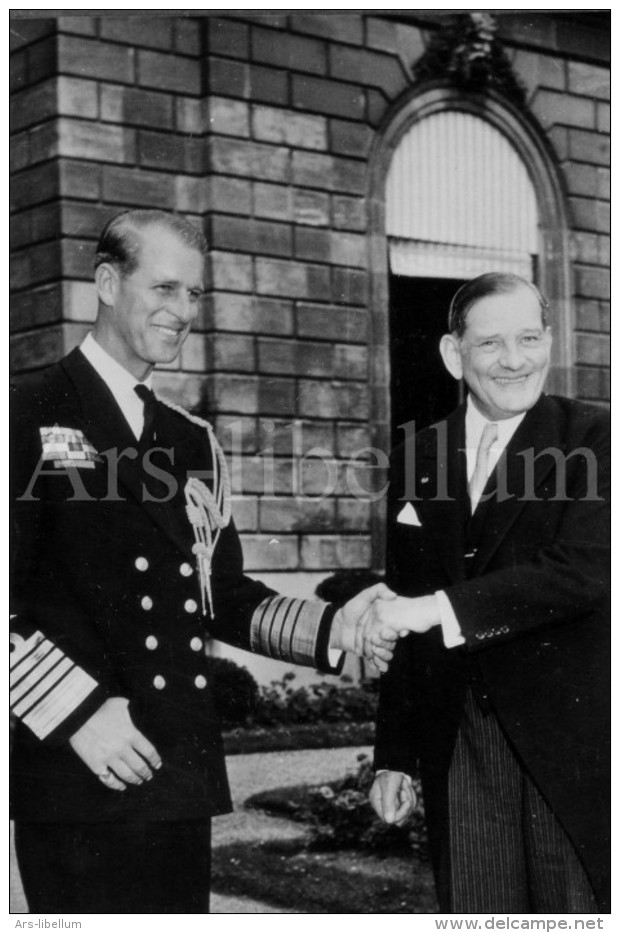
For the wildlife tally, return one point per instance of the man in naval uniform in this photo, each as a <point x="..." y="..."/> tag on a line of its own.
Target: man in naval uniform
<point x="498" y="541"/>
<point x="126" y="558"/>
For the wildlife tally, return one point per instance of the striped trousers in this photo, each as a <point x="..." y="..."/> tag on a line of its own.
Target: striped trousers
<point x="505" y="851"/>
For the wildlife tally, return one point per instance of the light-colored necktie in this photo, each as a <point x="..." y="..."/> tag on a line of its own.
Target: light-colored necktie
<point x="481" y="471"/>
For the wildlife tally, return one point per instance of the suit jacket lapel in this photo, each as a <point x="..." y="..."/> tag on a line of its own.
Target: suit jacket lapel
<point x="519" y="472"/>
<point x="107" y="429"/>
<point x="441" y="489"/>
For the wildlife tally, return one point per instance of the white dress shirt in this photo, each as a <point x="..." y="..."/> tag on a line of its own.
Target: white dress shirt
<point x="474" y="426"/>
<point x="119" y="381"/>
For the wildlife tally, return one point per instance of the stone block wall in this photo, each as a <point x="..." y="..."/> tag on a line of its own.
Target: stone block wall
<point x="259" y="127"/>
<point x="104" y="115"/>
<point x="571" y="100"/>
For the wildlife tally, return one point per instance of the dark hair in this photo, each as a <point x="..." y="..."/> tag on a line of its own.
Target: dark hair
<point x="120" y="242"/>
<point x="491" y="283"/>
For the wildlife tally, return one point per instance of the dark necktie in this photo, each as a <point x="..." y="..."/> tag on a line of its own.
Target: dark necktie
<point x="148" y="436"/>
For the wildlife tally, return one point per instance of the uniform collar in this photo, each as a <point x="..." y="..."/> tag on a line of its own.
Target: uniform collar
<point x="119" y="381"/>
<point x="115" y="376"/>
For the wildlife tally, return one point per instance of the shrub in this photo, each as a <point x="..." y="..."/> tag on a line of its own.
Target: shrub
<point x="295" y="737"/>
<point x="342" y="586"/>
<point x="239" y="701"/>
<point x="283" y="704"/>
<point x="234" y="690"/>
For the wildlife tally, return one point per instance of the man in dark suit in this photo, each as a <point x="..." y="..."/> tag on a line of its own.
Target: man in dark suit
<point x="126" y="560"/>
<point x="498" y="544"/>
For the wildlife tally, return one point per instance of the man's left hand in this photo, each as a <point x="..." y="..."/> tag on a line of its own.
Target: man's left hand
<point x="392" y="797"/>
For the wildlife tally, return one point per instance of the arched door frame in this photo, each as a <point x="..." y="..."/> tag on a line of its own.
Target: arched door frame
<point x="554" y="267"/>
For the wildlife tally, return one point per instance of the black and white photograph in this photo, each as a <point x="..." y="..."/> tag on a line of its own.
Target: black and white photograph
<point x="309" y="456"/>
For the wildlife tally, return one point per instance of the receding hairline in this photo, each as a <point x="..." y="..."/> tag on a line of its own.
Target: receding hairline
<point x="122" y="239"/>
<point x="490" y="285"/>
<point x="513" y="289"/>
<point x="141" y="230"/>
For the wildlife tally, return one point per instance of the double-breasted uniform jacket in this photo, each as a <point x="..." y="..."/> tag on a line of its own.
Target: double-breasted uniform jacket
<point x="528" y="579"/>
<point x="108" y="602"/>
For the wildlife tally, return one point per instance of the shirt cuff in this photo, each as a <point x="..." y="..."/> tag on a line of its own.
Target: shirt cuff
<point x="335" y="656"/>
<point x="407" y="777"/>
<point x="452" y="634"/>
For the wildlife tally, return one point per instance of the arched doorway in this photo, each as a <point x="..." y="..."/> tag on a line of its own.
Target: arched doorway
<point x="459" y="184"/>
<point x="459" y="202"/>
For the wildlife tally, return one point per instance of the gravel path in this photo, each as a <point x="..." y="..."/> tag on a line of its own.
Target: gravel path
<point x="248" y="775"/>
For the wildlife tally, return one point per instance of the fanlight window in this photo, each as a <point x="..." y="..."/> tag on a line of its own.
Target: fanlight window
<point x="459" y="201"/>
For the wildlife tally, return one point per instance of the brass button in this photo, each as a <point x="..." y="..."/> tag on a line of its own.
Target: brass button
<point x="159" y="682"/>
<point x="186" y="570"/>
<point x="196" y="644"/>
<point x="151" y="643"/>
<point x="190" y="605"/>
<point x="146" y="602"/>
<point x="142" y="564"/>
<point x="201" y="682"/>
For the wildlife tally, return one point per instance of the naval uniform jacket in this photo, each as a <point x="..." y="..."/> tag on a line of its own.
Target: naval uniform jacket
<point x="107" y="603"/>
<point x="528" y="578"/>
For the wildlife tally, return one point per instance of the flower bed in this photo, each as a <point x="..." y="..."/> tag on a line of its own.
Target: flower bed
<point x="340" y="817"/>
<point x="282" y="716"/>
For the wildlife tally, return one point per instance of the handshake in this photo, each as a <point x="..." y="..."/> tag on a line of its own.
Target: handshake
<point x="370" y="624"/>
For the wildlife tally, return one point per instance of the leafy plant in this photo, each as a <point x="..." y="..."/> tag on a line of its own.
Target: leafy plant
<point x="281" y="703"/>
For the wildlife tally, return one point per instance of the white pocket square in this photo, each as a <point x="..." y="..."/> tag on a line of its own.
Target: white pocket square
<point x="408" y="516"/>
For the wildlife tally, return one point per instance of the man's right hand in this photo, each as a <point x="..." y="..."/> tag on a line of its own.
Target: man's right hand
<point x="392" y="797"/>
<point x="354" y="619"/>
<point x="110" y="745"/>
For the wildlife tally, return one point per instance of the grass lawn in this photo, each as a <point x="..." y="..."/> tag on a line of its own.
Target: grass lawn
<point x="285" y="875"/>
<point x="314" y="875"/>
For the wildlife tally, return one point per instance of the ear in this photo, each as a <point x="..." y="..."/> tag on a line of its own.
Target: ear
<point x="106" y="280"/>
<point x="451" y="355"/>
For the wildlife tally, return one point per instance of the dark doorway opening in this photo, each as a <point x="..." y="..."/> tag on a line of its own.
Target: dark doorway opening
<point x="421" y="388"/>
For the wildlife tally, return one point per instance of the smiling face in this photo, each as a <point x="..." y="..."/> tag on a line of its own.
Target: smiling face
<point x="503" y="355"/>
<point x="145" y="317"/>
